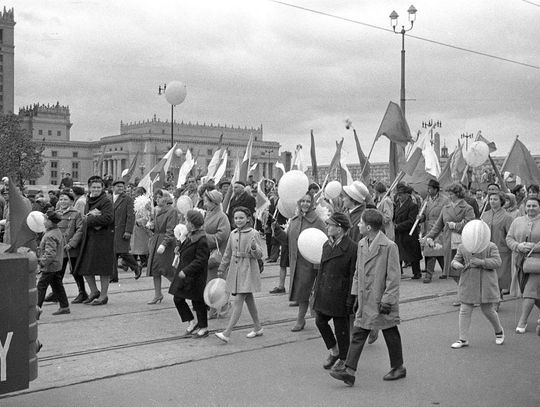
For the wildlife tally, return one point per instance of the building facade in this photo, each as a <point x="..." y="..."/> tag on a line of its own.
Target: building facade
<point x="50" y="125"/>
<point x="7" y="61"/>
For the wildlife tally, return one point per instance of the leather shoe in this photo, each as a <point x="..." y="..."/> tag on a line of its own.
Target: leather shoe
<point x="62" y="311"/>
<point x="79" y="298"/>
<point x="342" y="375"/>
<point x="100" y="302"/>
<point x="92" y="297"/>
<point x="277" y="290"/>
<point x="330" y="360"/>
<point x="138" y="272"/>
<point x="396" y="373"/>
<point x="416" y="277"/>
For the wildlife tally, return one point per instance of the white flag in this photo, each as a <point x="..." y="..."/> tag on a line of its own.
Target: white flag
<point x="185" y="169"/>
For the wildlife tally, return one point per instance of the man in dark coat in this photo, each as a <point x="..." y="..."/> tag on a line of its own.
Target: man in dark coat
<point x="405" y="214"/>
<point x="332" y="293"/>
<point x="240" y="198"/>
<point x="124" y="221"/>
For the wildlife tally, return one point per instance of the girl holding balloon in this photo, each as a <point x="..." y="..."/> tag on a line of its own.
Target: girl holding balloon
<point x="477" y="259"/>
<point x="243" y="279"/>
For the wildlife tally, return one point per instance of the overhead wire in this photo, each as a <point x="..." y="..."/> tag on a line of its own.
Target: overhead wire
<point x="485" y="54"/>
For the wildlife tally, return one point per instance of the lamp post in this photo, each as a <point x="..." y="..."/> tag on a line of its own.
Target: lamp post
<point x="394" y="21"/>
<point x="466" y="136"/>
<point x="175" y="93"/>
<point x="431" y="124"/>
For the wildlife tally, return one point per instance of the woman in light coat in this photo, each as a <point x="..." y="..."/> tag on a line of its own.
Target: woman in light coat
<point x="524" y="237"/>
<point x="243" y="250"/>
<point x="161" y="245"/>
<point x="478" y="285"/>
<point x="303" y="272"/>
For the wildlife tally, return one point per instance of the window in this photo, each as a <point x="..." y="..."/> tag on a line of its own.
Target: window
<point x="49" y="132"/>
<point x="210" y="152"/>
<point x="2" y="60"/>
<point x="54" y="182"/>
<point x="59" y="133"/>
<point x="75" y="165"/>
<point x="54" y="153"/>
<point x="162" y="131"/>
<point x="1" y="35"/>
<point x="32" y="182"/>
<point x="121" y="148"/>
<point x="75" y="154"/>
<point x="54" y="164"/>
<point x="54" y="174"/>
<point x="75" y="175"/>
<point x="40" y="132"/>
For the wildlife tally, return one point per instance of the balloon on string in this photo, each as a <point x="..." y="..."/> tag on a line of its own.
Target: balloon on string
<point x="184" y="204"/>
<point x="310" y="244"/>
<point x="333" y="189"/>
<point x="36" y="221"/>
<point x="476" y="236"/>
<point x="286" y="208"/>
<point x="293" y="185"/>
<point x="215" y="293"/>
<point x="477" y="154"/>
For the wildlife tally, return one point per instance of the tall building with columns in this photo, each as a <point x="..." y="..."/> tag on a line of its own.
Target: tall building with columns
<point x="50" y="125"/>
<point x="7" y="61"/>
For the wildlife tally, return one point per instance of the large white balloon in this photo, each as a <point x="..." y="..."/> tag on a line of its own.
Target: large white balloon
<point x="477" y="154"/>
<point x="293" y="186"/>
<point x="287" y="209"/>
<point x="310" y="244"/>
<point x="215" y="293"/>
<point x="175" y="92"/>
<point x="476" y="236"/>
<point x="36" y="221"/>
<point x="184" y="204"/>
<point x="332" y="189"/>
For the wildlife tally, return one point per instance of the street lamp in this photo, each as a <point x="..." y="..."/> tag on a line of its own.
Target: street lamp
<point x="431" y="124"/>
<point x="466" y="136"/>
<point x="175" y="93"/>
<point x="394" y="21"/>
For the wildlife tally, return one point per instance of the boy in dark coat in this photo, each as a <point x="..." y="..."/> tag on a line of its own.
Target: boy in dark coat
<point x="333" y="290"/>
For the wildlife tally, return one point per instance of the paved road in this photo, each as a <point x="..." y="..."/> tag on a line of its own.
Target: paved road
<point x="129" y="353"/>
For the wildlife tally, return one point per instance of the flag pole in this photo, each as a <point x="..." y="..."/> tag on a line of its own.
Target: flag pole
<point x="369" y="155"/>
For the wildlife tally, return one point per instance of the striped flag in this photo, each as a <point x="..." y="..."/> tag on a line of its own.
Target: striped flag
<point x="131" y="169"/>
<point x="246" y="161"/>
<point x="185" y="169"/>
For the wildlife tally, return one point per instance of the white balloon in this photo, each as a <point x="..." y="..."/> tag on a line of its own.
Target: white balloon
<point x="36" y="221"/>
<point x="477" y="154"/>
<point x="286" y="208"/>
<point x="180" y="231"/>
<point x="476" y="236"/>
<point x="333" y="189"/>
<point x="310" y="244"/>
<point x="215" y="293"/>
<point x="178" y="152"/>
<point x="293" y="186"/>
<point x="125" y="172"/>
<point x="175" y="92"/>
<point x="184" y="204"/>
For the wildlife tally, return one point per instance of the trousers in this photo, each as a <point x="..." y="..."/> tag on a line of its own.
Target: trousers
<point x="186" y="314"/>
<point x="393" y="343"/>
<point x="341" y="337"/>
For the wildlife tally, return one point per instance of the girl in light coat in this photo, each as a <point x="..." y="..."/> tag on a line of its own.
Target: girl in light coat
<point x="243" y="279"/>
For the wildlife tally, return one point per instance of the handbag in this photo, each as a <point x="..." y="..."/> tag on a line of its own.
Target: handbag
<point x="214" y="260"/>
<point x="531" y="265"/>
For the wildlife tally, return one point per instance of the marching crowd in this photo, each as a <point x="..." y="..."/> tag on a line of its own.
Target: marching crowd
<point x="187" y="237"/>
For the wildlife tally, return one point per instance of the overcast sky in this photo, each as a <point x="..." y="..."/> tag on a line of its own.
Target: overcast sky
<point x="252" y="62"/>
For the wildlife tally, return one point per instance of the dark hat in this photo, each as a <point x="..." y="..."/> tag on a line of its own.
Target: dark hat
<point x="195" y="217"/>
<point x="433" y="183"/>
<point x="119" y="181"/>
<point x="402" y="188"/>
<point x="315" y="186"/>
<point x="240" y="182"/>
<point x="224" y="182"/>
<point x="339" y="219"/>
<point x="53" y="216"/>
<point x="78" y="190"/>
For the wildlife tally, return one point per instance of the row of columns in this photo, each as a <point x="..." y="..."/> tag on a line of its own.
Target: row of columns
<point x="113" y="167"/>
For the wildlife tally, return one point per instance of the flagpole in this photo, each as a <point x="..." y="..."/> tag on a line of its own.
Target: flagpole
<point x="369" y="155"/>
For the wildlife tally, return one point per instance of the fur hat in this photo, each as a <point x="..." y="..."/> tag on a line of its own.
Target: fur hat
<point x="195" y="218"/>
<point x="339" y="219"/>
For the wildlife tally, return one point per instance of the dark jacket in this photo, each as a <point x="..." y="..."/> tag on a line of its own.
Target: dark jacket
<point x="96" y="255"/>
<point x="404" y="217"/>
<point x="50" y="251"/>
<point x="355" y="215"/>
<point x="124" y="221"/>
<point x="334" y="278"/>
<point x="194" y="255"/>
